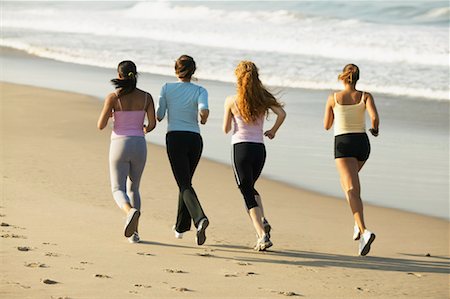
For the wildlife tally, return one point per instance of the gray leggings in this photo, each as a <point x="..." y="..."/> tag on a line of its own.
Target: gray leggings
<point x="127" y="157"/>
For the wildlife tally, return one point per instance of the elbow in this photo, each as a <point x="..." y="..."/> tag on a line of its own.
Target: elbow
<point x="100" y="126"/>
<point x="226" y="127"/>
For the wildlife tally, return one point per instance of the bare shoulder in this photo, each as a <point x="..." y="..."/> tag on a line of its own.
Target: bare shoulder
<point x="330" y="100"/>
<point x="229" y="101"/>
<point x="111" y="98"/>
<point x="368" y="96"/>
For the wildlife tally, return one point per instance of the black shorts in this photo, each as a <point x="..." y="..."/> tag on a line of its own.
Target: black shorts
<point x="352" y="145"/>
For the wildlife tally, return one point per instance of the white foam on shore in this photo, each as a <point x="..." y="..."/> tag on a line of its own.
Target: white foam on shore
<point x="291" y="47"/>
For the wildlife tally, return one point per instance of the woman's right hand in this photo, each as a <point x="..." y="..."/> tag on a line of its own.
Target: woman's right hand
<point x="374" y="132"/>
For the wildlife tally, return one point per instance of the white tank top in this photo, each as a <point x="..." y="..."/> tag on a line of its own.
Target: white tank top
<point x="349" y="118"/>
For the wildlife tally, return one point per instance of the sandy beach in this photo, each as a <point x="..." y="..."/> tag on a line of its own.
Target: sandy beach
<point x="61" y="232"/>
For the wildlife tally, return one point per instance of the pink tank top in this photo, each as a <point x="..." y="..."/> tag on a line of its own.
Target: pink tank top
<point x="247" y="132"/>
<point x="128" y="123"/>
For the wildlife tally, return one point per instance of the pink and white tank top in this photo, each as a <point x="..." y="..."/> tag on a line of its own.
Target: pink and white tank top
<point x="247" y="132"/>
<point x="128" y="123"/>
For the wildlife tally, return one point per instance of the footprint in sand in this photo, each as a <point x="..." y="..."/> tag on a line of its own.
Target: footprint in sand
<point x="287" y="293"/>
<point x="23" y="248"/>
<point x="2" y="215"/>
<point x="415" y="274"/>
<point x="102" y="276"/>
<point x="52" y="254"/>
<point x="240" y="274"/>
<point x="36" y="265"/>
<point x="4" y="224"/>
<point x="174" y="271"/>
<point x="65" y="297"/>
<point x="178" y="289"/>
<point x="243" y="263"/>
<point x="146" y="286"/>
<point x="86" y="263"/>
<point x="49" y="281"/>
<point x="145" y="253"/>
<point x="47" y="243"/>
<point x="205" y="254"/>
<point x="14" y="236"/>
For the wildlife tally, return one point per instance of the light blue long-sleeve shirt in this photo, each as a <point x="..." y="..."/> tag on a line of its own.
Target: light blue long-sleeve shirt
<point x="182" y="101"/>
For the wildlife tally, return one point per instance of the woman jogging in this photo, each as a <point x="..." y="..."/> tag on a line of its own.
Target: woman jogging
<point x="128" y="106"/>
<point x="351" y="144"/>
<point x="244" y="113"/>
<point x="185" y="103"/>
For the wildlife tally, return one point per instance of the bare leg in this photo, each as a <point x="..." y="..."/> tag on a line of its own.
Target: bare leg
<point x="348" y="169"/>
<point x="126" y="207"/>
<point x="256" y="216"/>
<point x="260" y="205"/>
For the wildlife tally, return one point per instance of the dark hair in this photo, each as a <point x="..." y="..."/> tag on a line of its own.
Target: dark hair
<point x="350" y="74"/>
<point x="185" y="67"/>
<point x="128" y="77"/>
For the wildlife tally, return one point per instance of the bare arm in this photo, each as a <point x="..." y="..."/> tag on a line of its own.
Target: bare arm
<point x="328" y="118"/>
<point x="373" y="113"/>
<point x="227" y="116"/>
<point x="281" y="116"/>
<point x="150" y="116"/>
<point x="204" y="113"/>
<point x="106" y="111"/>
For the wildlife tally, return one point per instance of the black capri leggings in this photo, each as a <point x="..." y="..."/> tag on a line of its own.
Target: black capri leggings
<point x="248" y="161"/>
<point x="184" y="150"/>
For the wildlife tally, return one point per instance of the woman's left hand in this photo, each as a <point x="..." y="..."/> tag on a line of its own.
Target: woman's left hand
<point x="270" y="134"/>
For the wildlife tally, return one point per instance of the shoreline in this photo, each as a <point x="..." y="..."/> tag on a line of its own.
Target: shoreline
<point x="18" y="52"/>
<point x="56" y="201"/>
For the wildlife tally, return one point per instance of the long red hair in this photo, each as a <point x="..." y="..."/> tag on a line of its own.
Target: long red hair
<point x="253" y="99"/>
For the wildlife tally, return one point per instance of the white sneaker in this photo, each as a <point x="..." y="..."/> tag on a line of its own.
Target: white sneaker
<point x="263" y="243"/>
<point x="267" y="227"/>
<point x="364" y="243"/>
<point x="177" y="234"/>
<point x="131" y="222"/>
<point x="201" y="236"/>
<point x="356" y="233"/>
<point x="134" y="238"/>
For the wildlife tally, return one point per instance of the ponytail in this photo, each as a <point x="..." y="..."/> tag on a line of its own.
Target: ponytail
<point x="350" y="74"/>
<point x="128" y="77"/>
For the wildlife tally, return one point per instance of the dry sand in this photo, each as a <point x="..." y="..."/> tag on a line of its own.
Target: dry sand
<point x="61" y="232"/>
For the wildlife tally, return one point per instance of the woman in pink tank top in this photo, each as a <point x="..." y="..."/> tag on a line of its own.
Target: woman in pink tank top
<point x="128" y="106"/>
<point x="245" y="112"/>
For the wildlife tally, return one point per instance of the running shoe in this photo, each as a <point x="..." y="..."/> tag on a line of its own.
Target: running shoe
<point x="177" y="234"/>
<point x="364" y="243"/>
<point x="267" y="227"/>
<point x="201" y="236"/>
<point x="263" y="243"/>
<point x="134" y="238"/>
<point x="356" y="233"/>
<point x="131" y="222"/>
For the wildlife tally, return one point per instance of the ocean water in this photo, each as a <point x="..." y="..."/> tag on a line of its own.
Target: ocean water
<point x="401" y="47"/>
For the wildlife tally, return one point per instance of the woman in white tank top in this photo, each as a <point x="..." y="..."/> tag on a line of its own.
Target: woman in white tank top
<point x="346" y="109"/>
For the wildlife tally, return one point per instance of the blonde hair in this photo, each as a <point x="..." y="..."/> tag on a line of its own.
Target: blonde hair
<point x="350" y="74"/>
<point x="253" y="99"/>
